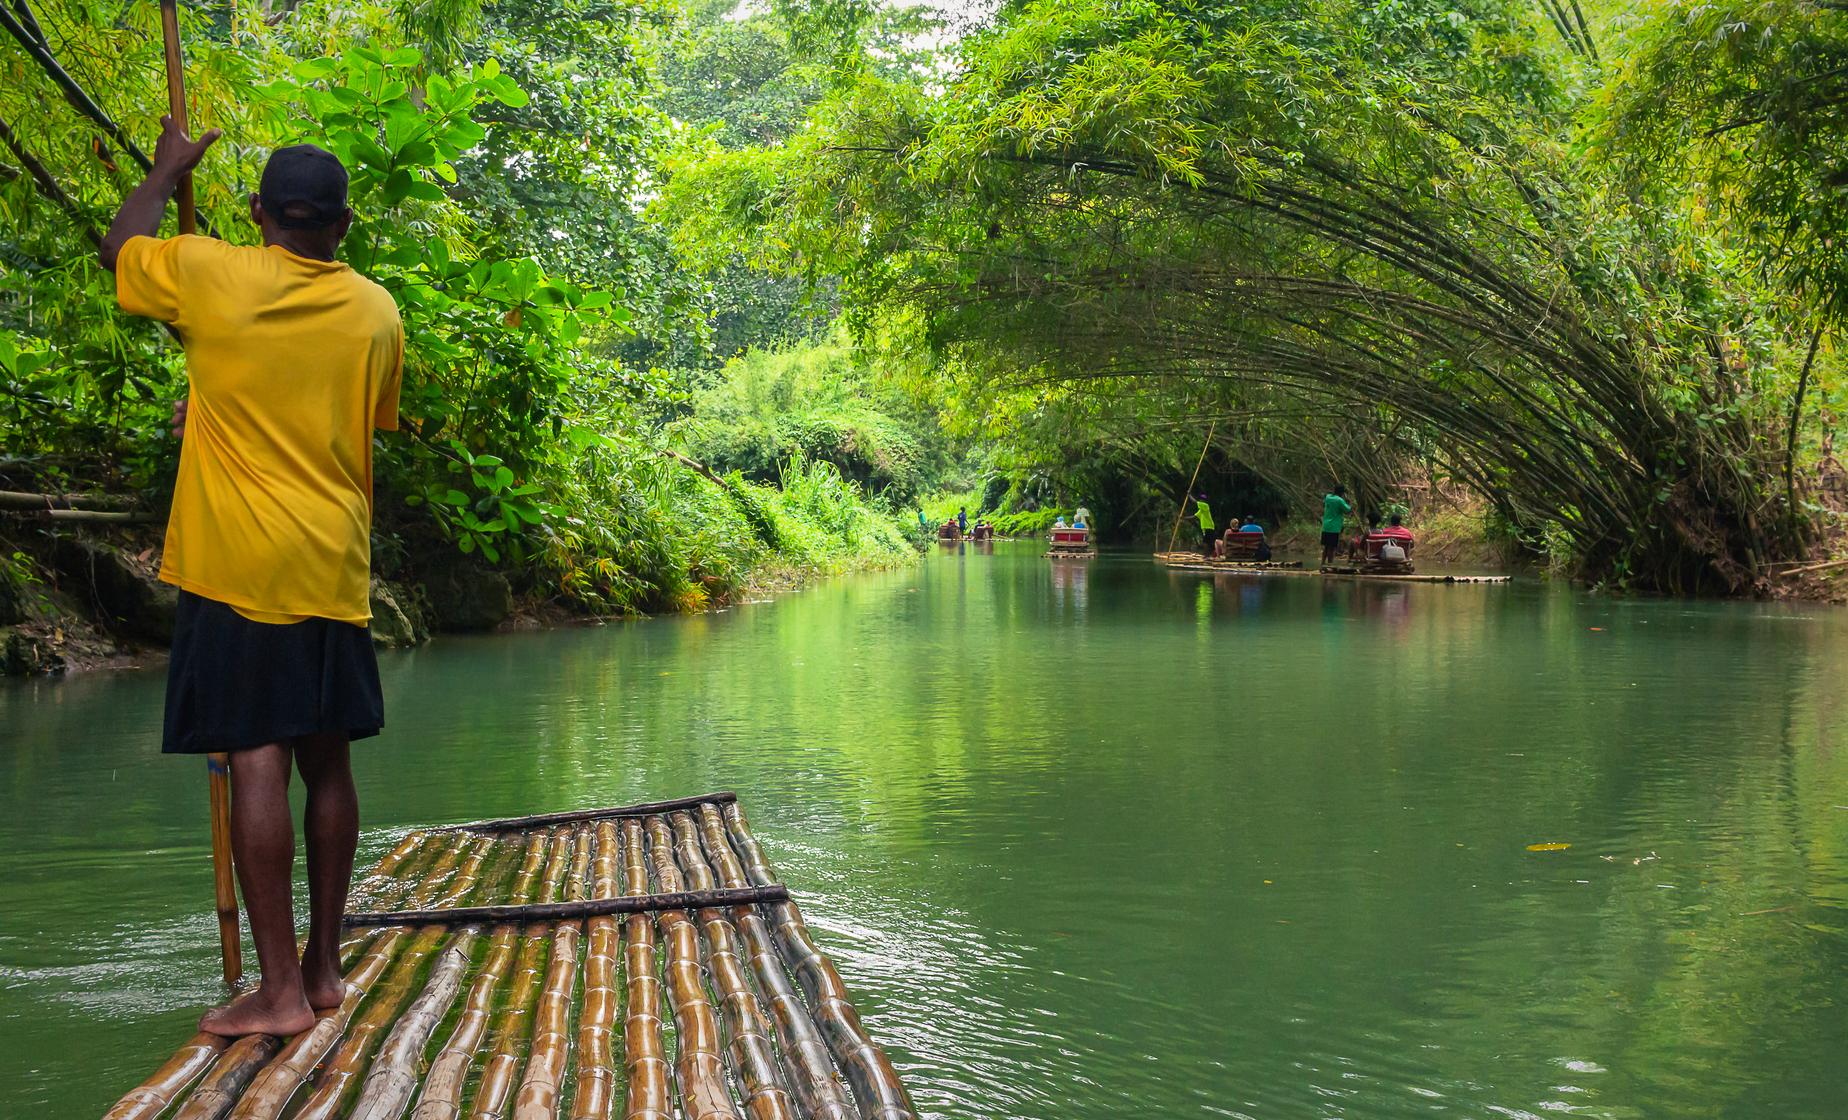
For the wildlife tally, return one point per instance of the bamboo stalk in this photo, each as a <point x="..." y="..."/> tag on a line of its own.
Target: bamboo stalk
<point x="650" y="1079"/>
<point x="574" y="816"/>
<point x="752" y="1052"/>
<point x="875" y="1083"/>
<point x="224" y="885"/>
<point x="563" y="911"/>
<point x="151" y="1098"/>
<point x="308" y="1050"/>
<point x="393" y="1079"/>
<point x="537" y="1098"/>
<point x="176" y="108"/>
<point x="596" y="1068"/>
<point x="810" y="1068"/>
<point x="697" y="1059"/>
<point x="441" y="1098"/>
<point x="233" y="1073"/>
<point x="495" y="1092"/>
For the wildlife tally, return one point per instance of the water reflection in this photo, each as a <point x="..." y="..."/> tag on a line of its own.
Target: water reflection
<point x="1098" y="839"/>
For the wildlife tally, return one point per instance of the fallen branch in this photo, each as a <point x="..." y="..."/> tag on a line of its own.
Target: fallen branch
<point x="1814" y="567"/>
<point x="17" y="499"/>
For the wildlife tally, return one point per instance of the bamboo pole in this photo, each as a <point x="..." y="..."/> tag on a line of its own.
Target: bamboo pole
<point x="596" y="1068"/>
<point x="176" y="107"/>
<point x="224" y="885"/>
<point x="650" y="1093"/>
<point x="876" y="1085"/>
<point x="151" y="1098"/>
<point x="218" y="765"/>
<point x="698" y="1062"/>
<point x="538" y="1095"/>
<point x="753" y="1053"/>
<point x="324" y="1042"/>
<point x="233" y="1073"/>
<point x="811" y="1076"/>
<point x="512" y="1041"/>
<point x="575" y="816"/>
<point x="441" y="1098"/>
<point x="565" y="911"/>
<point x="393" y="1078"/>
<point x="1195" y="477"/>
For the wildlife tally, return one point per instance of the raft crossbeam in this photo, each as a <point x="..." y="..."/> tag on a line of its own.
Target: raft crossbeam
<point x="563" y="911"/>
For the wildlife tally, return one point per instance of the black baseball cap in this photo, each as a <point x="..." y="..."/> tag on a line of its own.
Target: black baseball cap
<point x="303" y="187"/>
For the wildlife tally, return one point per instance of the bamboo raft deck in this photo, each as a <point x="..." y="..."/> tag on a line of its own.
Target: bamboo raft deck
<point x="1194" y="562"/>
<point x="641" y="963"/>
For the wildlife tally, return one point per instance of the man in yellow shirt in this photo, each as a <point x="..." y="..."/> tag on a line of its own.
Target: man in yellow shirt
<point x="292" y="360"/>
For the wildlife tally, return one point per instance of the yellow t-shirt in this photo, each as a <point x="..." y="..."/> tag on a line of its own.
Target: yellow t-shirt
<point x="291" y="363"/>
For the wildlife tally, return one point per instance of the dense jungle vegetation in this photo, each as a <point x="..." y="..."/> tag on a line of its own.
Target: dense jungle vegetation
<point x="691" y="288"/>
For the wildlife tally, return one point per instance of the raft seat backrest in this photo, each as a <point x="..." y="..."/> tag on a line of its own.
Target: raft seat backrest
<point x="1376" y="541"/>
<point x="1242" y="543"/>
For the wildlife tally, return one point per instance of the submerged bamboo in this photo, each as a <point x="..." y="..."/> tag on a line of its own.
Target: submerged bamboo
<point x="351" y="1052"/>
<point x="697" y="1059"/>
<point x="392" y="1081"/>
<point x="810" y="1068"/>
<point x="537" y="1098"/>
<point x="596" y="1066"/>
<point x="442" y="1092"/>
<point x="151" y="1098"/>
<point x="650" y="1078"/>
<point x="875" y="1082"/>
<point x="752" y="1052"/>
<point x="511" y="1039"/>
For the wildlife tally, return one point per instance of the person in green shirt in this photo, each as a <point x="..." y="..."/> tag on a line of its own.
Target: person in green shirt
<point x="1205" y="513"/>
<point x="1334" y="513"/>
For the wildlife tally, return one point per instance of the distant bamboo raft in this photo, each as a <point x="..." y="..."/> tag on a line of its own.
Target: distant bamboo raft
<point x="520" y="969"/>
<point x="1195" y="562"/>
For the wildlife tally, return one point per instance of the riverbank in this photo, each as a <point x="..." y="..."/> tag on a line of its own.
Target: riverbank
<point x="85" y="595"/>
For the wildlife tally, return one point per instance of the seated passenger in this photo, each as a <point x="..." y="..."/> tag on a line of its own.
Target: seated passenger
<point x="1082" y="518"/>
<point x="1358" y="547"/>
<point x="1395" y="529"/>
<point x="1251" y="525"/>
<point x="1060" y="524"/>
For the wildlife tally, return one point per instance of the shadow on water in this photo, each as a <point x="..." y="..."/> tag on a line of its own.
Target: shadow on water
<point x="1096" y="839"/>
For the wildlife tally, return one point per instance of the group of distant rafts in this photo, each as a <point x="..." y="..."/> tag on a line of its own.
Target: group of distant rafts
<point x="1377" y="551"/>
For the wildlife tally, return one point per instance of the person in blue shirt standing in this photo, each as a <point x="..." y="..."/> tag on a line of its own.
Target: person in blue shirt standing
<point x="962" y="520"/>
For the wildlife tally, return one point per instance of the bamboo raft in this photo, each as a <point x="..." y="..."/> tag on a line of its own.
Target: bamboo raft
<point x="1194" y="562"/>
<point x="641" y="963"/>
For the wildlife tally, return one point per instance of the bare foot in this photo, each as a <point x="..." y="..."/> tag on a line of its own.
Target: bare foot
<point x="323" y="984"/>
<point x="259" y="1013"/>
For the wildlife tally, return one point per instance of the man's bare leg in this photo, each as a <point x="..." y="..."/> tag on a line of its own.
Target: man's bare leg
<point x="263" y="844"/>
<point x="332" y="824"/>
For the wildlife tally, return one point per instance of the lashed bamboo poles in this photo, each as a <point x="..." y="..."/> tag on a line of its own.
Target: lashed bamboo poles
<point x="753" y="1054"/>
<point x="512" y="1041"/>
<point x="345" y="1057"/>
<point x="231" y="1075"/>
<point x="596" y="1068"/>
<point x="811" y="1075"/>
<point x="390" y="1085"/>
<point x="153" y="1096"/>
<point x="697" y="1060"/>
<point x="537" y="1098"/>
<point x="650" y="1078"/>
<point x="875" y="1082"/>
<point x="578" y="816"/>
<point x="442" y="1092"/>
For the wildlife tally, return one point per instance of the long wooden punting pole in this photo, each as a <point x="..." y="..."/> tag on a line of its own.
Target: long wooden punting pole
<point x="811" y="1073"/>
<point x="753" y="1053"/>
<point x="442" y="1091"/>
<point x="697" y="1059"/>
<point x="650" y="1078"/>
<point x="596" y="1063"/>
<point x="875" y="1083"/>
<point x="218" y="766"/>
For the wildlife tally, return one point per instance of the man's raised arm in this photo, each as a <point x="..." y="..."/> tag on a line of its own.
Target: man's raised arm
<point x="175" y="155"/>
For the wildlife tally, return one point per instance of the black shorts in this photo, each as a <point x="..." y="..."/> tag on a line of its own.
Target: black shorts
<point x="1330" y="540"/>
<point x="234" y="683"/>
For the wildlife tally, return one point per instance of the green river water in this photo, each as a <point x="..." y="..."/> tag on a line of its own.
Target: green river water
<point x="1101" y="840"/>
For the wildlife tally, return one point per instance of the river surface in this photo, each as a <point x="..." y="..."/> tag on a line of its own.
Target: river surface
<point x="1100" y="841"/>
